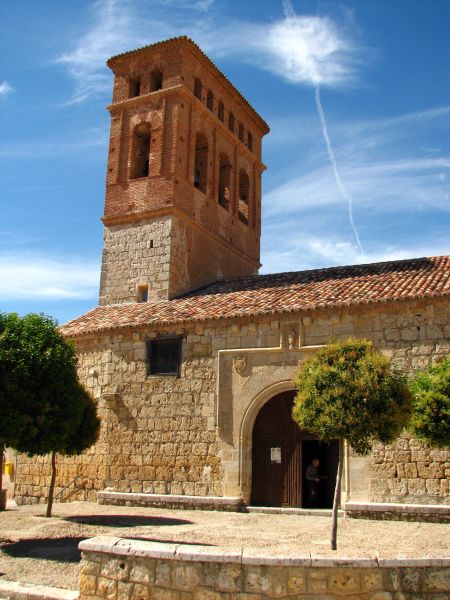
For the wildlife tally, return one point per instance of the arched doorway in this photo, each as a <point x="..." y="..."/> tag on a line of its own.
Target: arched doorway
<point x="280" y="454"/>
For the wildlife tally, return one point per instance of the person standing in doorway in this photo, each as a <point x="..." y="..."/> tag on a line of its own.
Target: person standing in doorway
<point x="312" y="482"/>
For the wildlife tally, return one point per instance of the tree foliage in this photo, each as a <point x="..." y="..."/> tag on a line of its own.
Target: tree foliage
<point x="430" y="419"/>
<point x="349" y="391"/>
<point x="43" y="407"/>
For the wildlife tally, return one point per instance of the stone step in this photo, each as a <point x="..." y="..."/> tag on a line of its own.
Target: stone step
<point x="230" y="504"/>
<point x="438" y="513"/>
<point x="14" y="590"/>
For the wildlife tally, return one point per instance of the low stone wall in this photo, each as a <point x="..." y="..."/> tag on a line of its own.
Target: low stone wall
<point x="115" y="569"/>
<point x="426" y="513"/>
<point x="171" y="501"/>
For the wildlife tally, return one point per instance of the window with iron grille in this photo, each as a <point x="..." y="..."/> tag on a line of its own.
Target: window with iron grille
<point x="164" y="356"/>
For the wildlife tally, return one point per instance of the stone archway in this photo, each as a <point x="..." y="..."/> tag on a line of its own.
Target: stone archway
<point x="246" y="432"/>
<point x="275" y="453"/>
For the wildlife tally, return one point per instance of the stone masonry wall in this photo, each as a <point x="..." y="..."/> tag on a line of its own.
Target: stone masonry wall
<point x="160" y="435"/>
<point x="117" y="569"/>
<point x="136" y="254"/>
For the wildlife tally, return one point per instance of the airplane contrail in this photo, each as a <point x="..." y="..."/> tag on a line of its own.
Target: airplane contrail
<point x="346" y="196"/>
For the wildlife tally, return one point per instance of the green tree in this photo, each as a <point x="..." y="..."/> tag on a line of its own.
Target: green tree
<point x="349" y="391"/>
<point x="430" y="420"/>
<point x="46" y="409"/>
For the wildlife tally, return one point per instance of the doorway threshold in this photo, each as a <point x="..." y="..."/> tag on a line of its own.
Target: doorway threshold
<point x="280" y="510"/>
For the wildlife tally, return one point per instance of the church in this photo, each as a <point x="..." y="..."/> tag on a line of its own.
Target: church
<point x="191" y="354"/>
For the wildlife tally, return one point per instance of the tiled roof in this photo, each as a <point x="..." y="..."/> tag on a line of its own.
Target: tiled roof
<point x="280" y="293"/>
<point x="188" y="40"/>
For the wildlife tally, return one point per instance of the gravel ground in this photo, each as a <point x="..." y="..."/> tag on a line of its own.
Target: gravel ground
<point x="43" y="551"/>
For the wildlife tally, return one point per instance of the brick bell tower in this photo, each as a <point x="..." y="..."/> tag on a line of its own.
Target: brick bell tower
<point x="183" y="185"/>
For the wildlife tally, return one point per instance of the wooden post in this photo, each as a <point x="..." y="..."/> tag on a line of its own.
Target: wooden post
<point x="337" y="493"/>
<point x="52" y="487"/>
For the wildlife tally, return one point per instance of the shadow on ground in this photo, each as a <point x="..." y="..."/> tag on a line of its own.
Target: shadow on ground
<point x="125" y="520"/>
<point x="60" y="549"/>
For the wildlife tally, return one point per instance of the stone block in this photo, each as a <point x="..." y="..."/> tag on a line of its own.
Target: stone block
<point x="164" y="594"/>
<point x="115" y="569"/>
<point x="186" y="575"/>
<point x="163" y="574"/>
<point x="296" y="581"/>
<point x="106" y="588"/>
<point x="229" y="578"/>
<point x="317" y="581"/>
<point x="343" y="581"/>
<point x="88" y="584"/>
<point x="410" y="580"/>
<point x="142" y="571"/>
<point x="371" y="580"/>
<point x="208" y="594"/>
<point x="257" y="580"/>
<point x="437" y="580"/>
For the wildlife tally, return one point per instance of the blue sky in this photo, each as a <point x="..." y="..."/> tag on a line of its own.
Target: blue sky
<point x="357" y="94"/>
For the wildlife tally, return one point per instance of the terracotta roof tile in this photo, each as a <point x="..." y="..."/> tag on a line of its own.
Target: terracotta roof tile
<point x="280" y="293"/>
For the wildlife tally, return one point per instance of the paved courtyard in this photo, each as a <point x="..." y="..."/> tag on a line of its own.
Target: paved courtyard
<point x="37" y="550"/>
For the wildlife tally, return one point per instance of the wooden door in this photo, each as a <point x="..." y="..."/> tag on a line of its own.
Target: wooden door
<point x="276" y="455"/>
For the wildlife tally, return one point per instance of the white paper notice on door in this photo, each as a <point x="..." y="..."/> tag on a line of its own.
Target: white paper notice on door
<point x="275" y="455"/>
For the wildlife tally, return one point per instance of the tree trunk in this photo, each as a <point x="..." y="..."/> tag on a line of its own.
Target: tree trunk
<point x="52" y="487"/>
<point x="337" y="493"/>
<point x="2" y="449"/>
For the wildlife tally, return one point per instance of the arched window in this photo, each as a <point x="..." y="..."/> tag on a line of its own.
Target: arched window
<point x="134" y="87"/>
<point x="241" y="132"/>
<point x="249" y="141"/>
<point x="224" y="195"/>
<point x="221" y="111"/>
<point x="156" y="80"/>
<point x="244" y="196"/>
<point x="231" y="122"/>
<point x="201" y="163"/>
<point x="140" y="151"/>
<point x="198" y="88"/>
<point x="210" y="100"/>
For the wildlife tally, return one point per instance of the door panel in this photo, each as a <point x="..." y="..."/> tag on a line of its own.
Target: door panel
<point x="280" y="483"/>
<point x="276" y="483"/>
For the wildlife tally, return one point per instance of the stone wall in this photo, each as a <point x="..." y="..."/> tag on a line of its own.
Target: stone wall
<point x="192" y="435"/>
<point x="136" y="254"/>
<point x="117" y="569"/>
<point x="409" y="471"/>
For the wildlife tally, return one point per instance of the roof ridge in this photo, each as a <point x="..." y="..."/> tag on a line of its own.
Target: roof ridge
<point x="331" y="287"/>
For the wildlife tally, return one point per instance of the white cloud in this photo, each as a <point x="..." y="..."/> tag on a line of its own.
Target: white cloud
<point x="302" y="49"/>
<point x="311" y="50"/>
<point x="25" y="275"/>
<point x="382" y="163"/>
<point x="5" y="89"/>
<point x="308" y="252"/>
<point x="121" y="25"/>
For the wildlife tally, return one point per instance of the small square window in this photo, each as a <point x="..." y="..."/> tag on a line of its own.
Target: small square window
<point x="164" y="356"/>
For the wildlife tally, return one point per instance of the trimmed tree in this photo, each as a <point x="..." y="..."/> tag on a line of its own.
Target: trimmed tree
<point x="430" y="420"/>
<point x="44" y="404"/>
<point x="347" y="390"/>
